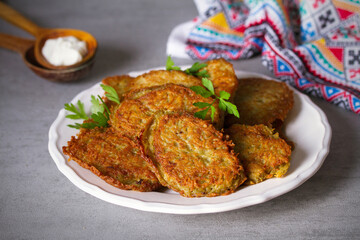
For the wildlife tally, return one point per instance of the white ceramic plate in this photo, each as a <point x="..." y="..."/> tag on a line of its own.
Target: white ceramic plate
<point x="306" y="125"/>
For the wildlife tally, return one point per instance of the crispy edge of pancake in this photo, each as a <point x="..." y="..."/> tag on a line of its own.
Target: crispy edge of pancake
<point x="98" y="150"/>
<point x="262" y="152"/>
<point x="189" y="156"/>
<point x="161" y="77"/>
<point x="261" y="101"/>
<point x="222" y="75"/>
<point x="133" y="113"/>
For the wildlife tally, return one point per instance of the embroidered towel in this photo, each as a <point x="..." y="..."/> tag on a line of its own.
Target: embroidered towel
<point x="313" y="45"/>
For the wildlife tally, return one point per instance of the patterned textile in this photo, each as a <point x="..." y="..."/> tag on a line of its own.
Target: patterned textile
<point x="314" y="45"/>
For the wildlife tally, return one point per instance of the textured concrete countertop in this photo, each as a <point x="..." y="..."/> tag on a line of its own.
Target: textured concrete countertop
<point x="38" y="202"/>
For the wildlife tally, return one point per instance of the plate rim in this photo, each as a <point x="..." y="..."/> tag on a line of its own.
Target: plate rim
<point x="201" y="208"/>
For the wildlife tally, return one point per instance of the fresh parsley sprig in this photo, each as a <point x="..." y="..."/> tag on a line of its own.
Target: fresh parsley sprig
<point x="194" y="70"/>
<point x="79" y="111"/>
<point x="100" y="112"/>
<point x="208" y="91"/>
<point x="170" y="65"/>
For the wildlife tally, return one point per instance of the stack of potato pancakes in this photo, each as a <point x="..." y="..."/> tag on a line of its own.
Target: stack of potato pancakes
<point x="154" y="141"/>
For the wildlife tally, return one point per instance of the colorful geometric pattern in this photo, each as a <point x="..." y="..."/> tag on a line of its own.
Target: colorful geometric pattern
<point x="314" y="45"/>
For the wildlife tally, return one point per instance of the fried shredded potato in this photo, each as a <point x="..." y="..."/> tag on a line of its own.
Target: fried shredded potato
<point x="263" y="153"/>
<point x="261" y="101"/>
<point x="189" y="156"/>
<point x="116" y="159"/>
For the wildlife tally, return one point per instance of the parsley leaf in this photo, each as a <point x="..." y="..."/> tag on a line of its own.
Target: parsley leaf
<point x="213" y="110"/>
<point x="222" y="104"/>
<point x="79" y="113"/>
<point x="170" y="64"/>
<point x="96" y="105"/>
<point x="232" y="109"/>
<point x="209" y="92"/>
<point x="194" y="70"/>
<point x="201" y="91"/>
<point x="201" y="104"/>
<point x="202" y="74"/>
<point x="100" y="112"/>
<point x="201" y="114"/>
<point x="111" y="93"/>
<point x="208" y="84"/>
<point x="224" y="95"/>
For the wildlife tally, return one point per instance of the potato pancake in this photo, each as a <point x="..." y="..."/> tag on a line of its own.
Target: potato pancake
<point x="138" y="107"/>
<point x="261" y="101"/>
<point x="262" y="153"/>
<point x="114" y="158"/>
<point x="191" y="157"/>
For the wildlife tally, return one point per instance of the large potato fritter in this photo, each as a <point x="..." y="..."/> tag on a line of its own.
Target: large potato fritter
<point x="261" y="101"/>
<point x="222" y="75"/>
<point x="190" y="156"/>
<point x="138" y="107"/>
<point x="114" y="158"/>
<point x="263" y="154"/>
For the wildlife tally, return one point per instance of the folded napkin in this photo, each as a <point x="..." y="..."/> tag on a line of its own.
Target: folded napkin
<point x="313" y="45"/>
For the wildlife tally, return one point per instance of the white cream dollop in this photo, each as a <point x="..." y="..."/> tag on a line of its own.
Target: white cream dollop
<point x="64" y="51"/>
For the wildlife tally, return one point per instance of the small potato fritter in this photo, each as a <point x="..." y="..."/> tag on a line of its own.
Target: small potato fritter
<point x="261" y="101"/>
<point x="189" y="156"/>
<point x="114" y="158"/>
<point x="262" y="153"/>
<point x="222" y="75"/>
<point x="138" y="107"/>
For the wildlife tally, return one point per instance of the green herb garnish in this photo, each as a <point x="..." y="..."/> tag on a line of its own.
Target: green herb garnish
<point x="193" y="70"/>
<point x="111" y="93"/>
<point x="79" y="112"/>
<point x="209" y="92"/>
<point x="100" y="112"/>
<point x="170" y="64"/>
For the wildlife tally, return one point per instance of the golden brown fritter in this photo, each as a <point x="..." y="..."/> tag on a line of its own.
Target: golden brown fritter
<point x="138" y="107"/>
<point x="114" y="158"/>
<point x="262" y="153"/>
<point x="161" y="77"/>
<point x="222" y="75"/>
<point x="261" y="101"/>
<point x="190" y="156"/>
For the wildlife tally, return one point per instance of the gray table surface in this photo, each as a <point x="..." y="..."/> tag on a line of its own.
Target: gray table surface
<point x="38" y="202"/>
